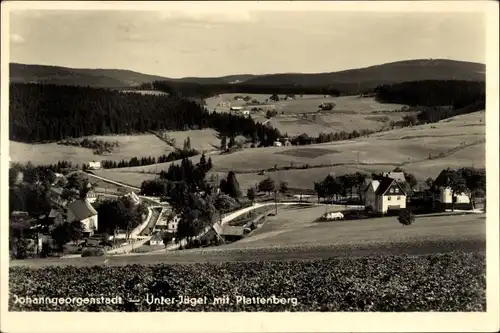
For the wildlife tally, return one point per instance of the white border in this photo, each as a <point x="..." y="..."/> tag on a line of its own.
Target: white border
<point x="276" y="322"/>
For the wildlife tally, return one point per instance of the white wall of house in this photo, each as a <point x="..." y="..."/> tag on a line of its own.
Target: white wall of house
<point x="89" y="224"/>
<point x="94" y="165"/>
<point x="445" y="196"/>
<point x="392" y="200"/>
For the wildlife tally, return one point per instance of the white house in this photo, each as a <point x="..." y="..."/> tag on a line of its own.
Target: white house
<point x="246" y="112"/>
<point x="277" y="144"/>
<point x="82" y="210"/>
<point x="168" y="224"/>
<point x="155" y="240"/>
<point x="91" y="196"/>
<point x="384" y="195"/>
<point x="445" y="193"/>
<point x="236" y="108"/>
<point x="133" y="198"/>
<point x="94" y="165"/>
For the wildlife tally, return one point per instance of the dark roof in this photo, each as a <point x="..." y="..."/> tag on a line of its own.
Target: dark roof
<point x="385" y="183"/>
<point x="82" y="209"/>
<point x="444" y="178"/>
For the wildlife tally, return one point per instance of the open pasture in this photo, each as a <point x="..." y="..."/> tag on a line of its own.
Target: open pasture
<point x="301" y="114"/>
<point x="140" y="145"/>
<point x="201" y="140"/>
<point x="129" y="146"/>
<point x="298" y="227"/>
<point x="450" y="143"/>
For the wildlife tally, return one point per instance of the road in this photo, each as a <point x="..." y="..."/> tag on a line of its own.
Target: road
<point x="231" y="217"/>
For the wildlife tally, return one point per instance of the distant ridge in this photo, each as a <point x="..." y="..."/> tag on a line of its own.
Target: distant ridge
<point x="408" y="70"/>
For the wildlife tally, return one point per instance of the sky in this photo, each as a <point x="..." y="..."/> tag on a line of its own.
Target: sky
<point x="205" y="43"/>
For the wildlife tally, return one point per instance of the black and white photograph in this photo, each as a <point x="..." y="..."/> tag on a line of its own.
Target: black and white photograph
<point x="249" y="157"/>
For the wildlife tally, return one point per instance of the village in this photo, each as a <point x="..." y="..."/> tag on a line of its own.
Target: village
<point x="71" y="226"/>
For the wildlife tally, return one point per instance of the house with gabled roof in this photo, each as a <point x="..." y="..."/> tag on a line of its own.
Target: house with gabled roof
<point x="81" y="210"/>
<point x="385" y="195"/>
<point x="155" y="240"/>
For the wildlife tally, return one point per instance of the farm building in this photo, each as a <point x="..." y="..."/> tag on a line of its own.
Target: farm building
<point x="155" y="240"/>
<point x="397" y="176"/>
<point x="385" y="195"/>
<point x="231" y="233"/>
<point x="133" y="198"/>
<point x="82" y="210"/>
<point x="91" y="196"/>
<point x="277" y="144"/>
<point x="94" y="165"/>
<point x="246" y="112"/>
<point x="236" y="108"/>
<point x="445" y="192"/>
<point x="168" y="224"/>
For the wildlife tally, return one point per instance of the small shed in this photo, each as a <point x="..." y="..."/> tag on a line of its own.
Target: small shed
<point x="155" y="240"/>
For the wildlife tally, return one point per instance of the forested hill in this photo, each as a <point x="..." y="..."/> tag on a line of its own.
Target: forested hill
<point x="369" y="77"/>
<point x="348" y="80"/>
<point x="104" y="78"/>
<point x="51" y="112"/>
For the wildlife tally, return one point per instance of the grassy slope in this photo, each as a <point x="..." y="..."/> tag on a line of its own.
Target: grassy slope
<point x="130" y="146"/>
<point x="297" y="227"/>
<point x="300" y="115"/>
<point x="408" y="145"/>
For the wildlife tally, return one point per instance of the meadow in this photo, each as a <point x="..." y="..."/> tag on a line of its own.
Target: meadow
<point x="298" y="226"/>
<point x="454" y="142"/>
<point x="140" y="145"/>
<point x="301" y="115"/>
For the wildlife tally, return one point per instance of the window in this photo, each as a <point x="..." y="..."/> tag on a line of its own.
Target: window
<point x="392" y="190"/>
<point x="389" y="198"/>
<point x="399" y="198"/>
<point x="397" y="190"/>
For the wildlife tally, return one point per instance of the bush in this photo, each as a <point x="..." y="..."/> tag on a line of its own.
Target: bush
<point x="406" y="217"/>
<point x="92" y="252"/>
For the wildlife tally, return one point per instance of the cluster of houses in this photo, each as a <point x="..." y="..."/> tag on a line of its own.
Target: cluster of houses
<point x="387" y="194"/>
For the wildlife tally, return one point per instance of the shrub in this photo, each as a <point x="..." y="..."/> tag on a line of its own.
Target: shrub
<point x="92" y="252"/>
<point x="406" y="217"/>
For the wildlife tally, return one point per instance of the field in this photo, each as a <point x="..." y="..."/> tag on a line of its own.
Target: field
<point x="453" y="143"/>
<point x="440" y="282"/>
<point x="130" y="146"/>
<point x="300" y="115"/>
<point x="297" y="226"/>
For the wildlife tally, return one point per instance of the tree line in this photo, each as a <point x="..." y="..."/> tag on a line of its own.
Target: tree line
<point x="143" y="161"/>
<point x="43" y="113"/>
<point x="207" y="90"/>
<point x="437" y="99"/>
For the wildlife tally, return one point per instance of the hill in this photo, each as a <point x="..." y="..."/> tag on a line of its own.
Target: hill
<point x="410" y="70"/>
<point x="102" y="78"/>
<point x="366" y="78"/>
